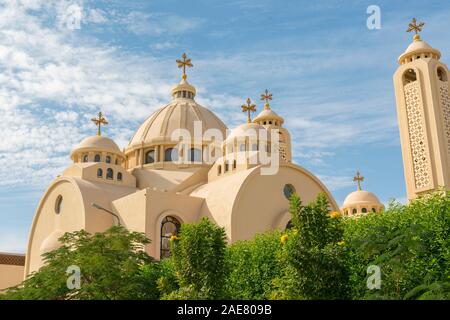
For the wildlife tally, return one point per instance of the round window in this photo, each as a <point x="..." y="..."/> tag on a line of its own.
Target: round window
<point x="59" y="204"/>
<point x="288" y="190"/>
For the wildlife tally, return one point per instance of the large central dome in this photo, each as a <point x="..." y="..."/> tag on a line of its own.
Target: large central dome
<point x="179" y="114"/>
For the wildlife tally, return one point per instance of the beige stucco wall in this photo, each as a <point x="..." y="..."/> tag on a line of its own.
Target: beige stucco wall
<point x="10" y="275"/>
<point x="262" y="206"/>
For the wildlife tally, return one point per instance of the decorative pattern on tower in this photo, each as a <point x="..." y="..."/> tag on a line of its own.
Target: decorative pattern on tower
<point x="416" y="125"/>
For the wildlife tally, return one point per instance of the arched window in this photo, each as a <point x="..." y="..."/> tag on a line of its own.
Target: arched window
<point x="170" y="226"/>
<point x="108" y="159"/>
<point x="117" y="161"/>
<point x="59" y="204"/>
<point x="374" y="210"/>
<point x="85" y="158"/>
<point x="364" y="210"/>
<point x="288" y="190"/>
<point x="171" y="154"/>
<point x="195" y="155"/>
<point x="242" y="147"/>
<point x="409" y="76"/>
<point x="97" y="158"/>
<point x="441" y="74"/>
<point x="119" y="176"/>
<point x="289" y="225"/>
<point x="219" y="170"/>
<point x="234" y="164"/>
<point x="99" y="173"/>
<point x="346" y="213"/>
<point x="109" y="174"/>
<point x="226" y="166"/>
<point x="354" y="211"/>
<point x="150" y="156"/>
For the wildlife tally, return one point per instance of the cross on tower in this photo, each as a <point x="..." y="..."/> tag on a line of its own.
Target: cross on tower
<point x="184" y="63"/>
<point x="358" y="178"/>
<point x="413" y="26"/>
<point x="99" y="121"/>
<point x="249" y="107"/>
<point x="266" y="96"/>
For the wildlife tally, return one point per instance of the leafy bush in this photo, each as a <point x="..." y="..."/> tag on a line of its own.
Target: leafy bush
<point x="199" y="261"/>
<point x="253" y="265"/>
<point x="314" y="255"/>
<point x="410" y="244"/>
<point x="111" y="265"/>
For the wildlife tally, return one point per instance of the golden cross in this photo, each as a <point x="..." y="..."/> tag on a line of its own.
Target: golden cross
<point x="266" y="96"/>
<point x="413" y="26"/>
<point x="249" y="107"/>
<point x="99" y="122"/>
<point x="184" y="63"/>
<point x="358" y="178"/>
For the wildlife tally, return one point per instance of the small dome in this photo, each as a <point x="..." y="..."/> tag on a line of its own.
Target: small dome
<point x="268" y="114"/>
<point x="418" y="46"/>
<point x="96" y="143"/>
<point x="247" y="130"/>
<point x="51" y="242"/>
<point x="184" y="86"/>
<point x="361" y="197"/>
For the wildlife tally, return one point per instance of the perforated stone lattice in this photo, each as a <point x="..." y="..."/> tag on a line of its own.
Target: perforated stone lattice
<point x="445" y="104"/>
<point x="419" y="148"/>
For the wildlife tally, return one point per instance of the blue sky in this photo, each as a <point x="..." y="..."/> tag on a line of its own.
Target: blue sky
<point x="331" y="78"/>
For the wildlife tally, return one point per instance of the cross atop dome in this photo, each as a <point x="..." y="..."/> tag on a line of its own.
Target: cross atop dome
<point x="266" y="96"/>
<point x="416" y="27"/>
<point x="186" y="62"/>
<point x="99" y="121"/>
<point x="358" y="178"/>
<point x="249" y="107"/>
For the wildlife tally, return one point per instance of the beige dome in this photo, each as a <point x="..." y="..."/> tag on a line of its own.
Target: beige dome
<point x="361" y="197"/>
<point x="418" y="46"/>
<point x="96" y="143"/>
<point x="268" y="114"/>
<point x="246" y="130"/>
<point x="179" y="114"/>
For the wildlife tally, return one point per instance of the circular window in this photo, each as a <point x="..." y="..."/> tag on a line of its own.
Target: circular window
<point x="288" y="190"/>
<point x="59" y="204"/>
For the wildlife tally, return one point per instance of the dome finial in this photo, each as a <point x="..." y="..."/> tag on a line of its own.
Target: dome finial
<point x="183" y="64"/>
<point x="99" y="121"/>
<point x="249" y="107"/>
<point x="266" y="96"/>
<point x="358" y="178"/>
<point x="416" y="27"/>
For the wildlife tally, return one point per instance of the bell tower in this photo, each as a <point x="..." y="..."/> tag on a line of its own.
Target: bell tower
<point x="423" y="110"/>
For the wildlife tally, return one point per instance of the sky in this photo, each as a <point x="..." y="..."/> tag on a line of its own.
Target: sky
<point x="61" y="61"/>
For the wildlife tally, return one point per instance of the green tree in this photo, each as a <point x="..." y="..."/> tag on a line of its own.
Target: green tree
<point x="111" y="265"/>
<point x="253" y="265"/>
<point x="199" y="261"/>
<point x="411" y="245"/>
<point x="314" y="254"/>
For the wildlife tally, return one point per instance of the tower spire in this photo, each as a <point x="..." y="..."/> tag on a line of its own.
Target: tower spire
<point x="249" y="107"/>
<point x="99" y="121"/>
<point x="358" y="178"/>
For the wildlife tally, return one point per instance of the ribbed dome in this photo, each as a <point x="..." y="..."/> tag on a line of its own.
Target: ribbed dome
<point x="179" y="114"/>
<point x="361" y="197"/>
<point x="268" y="114"/>
<point x="246" y="130"/>
<point x="97" y="143"/>
<point x="417" y="47"/>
